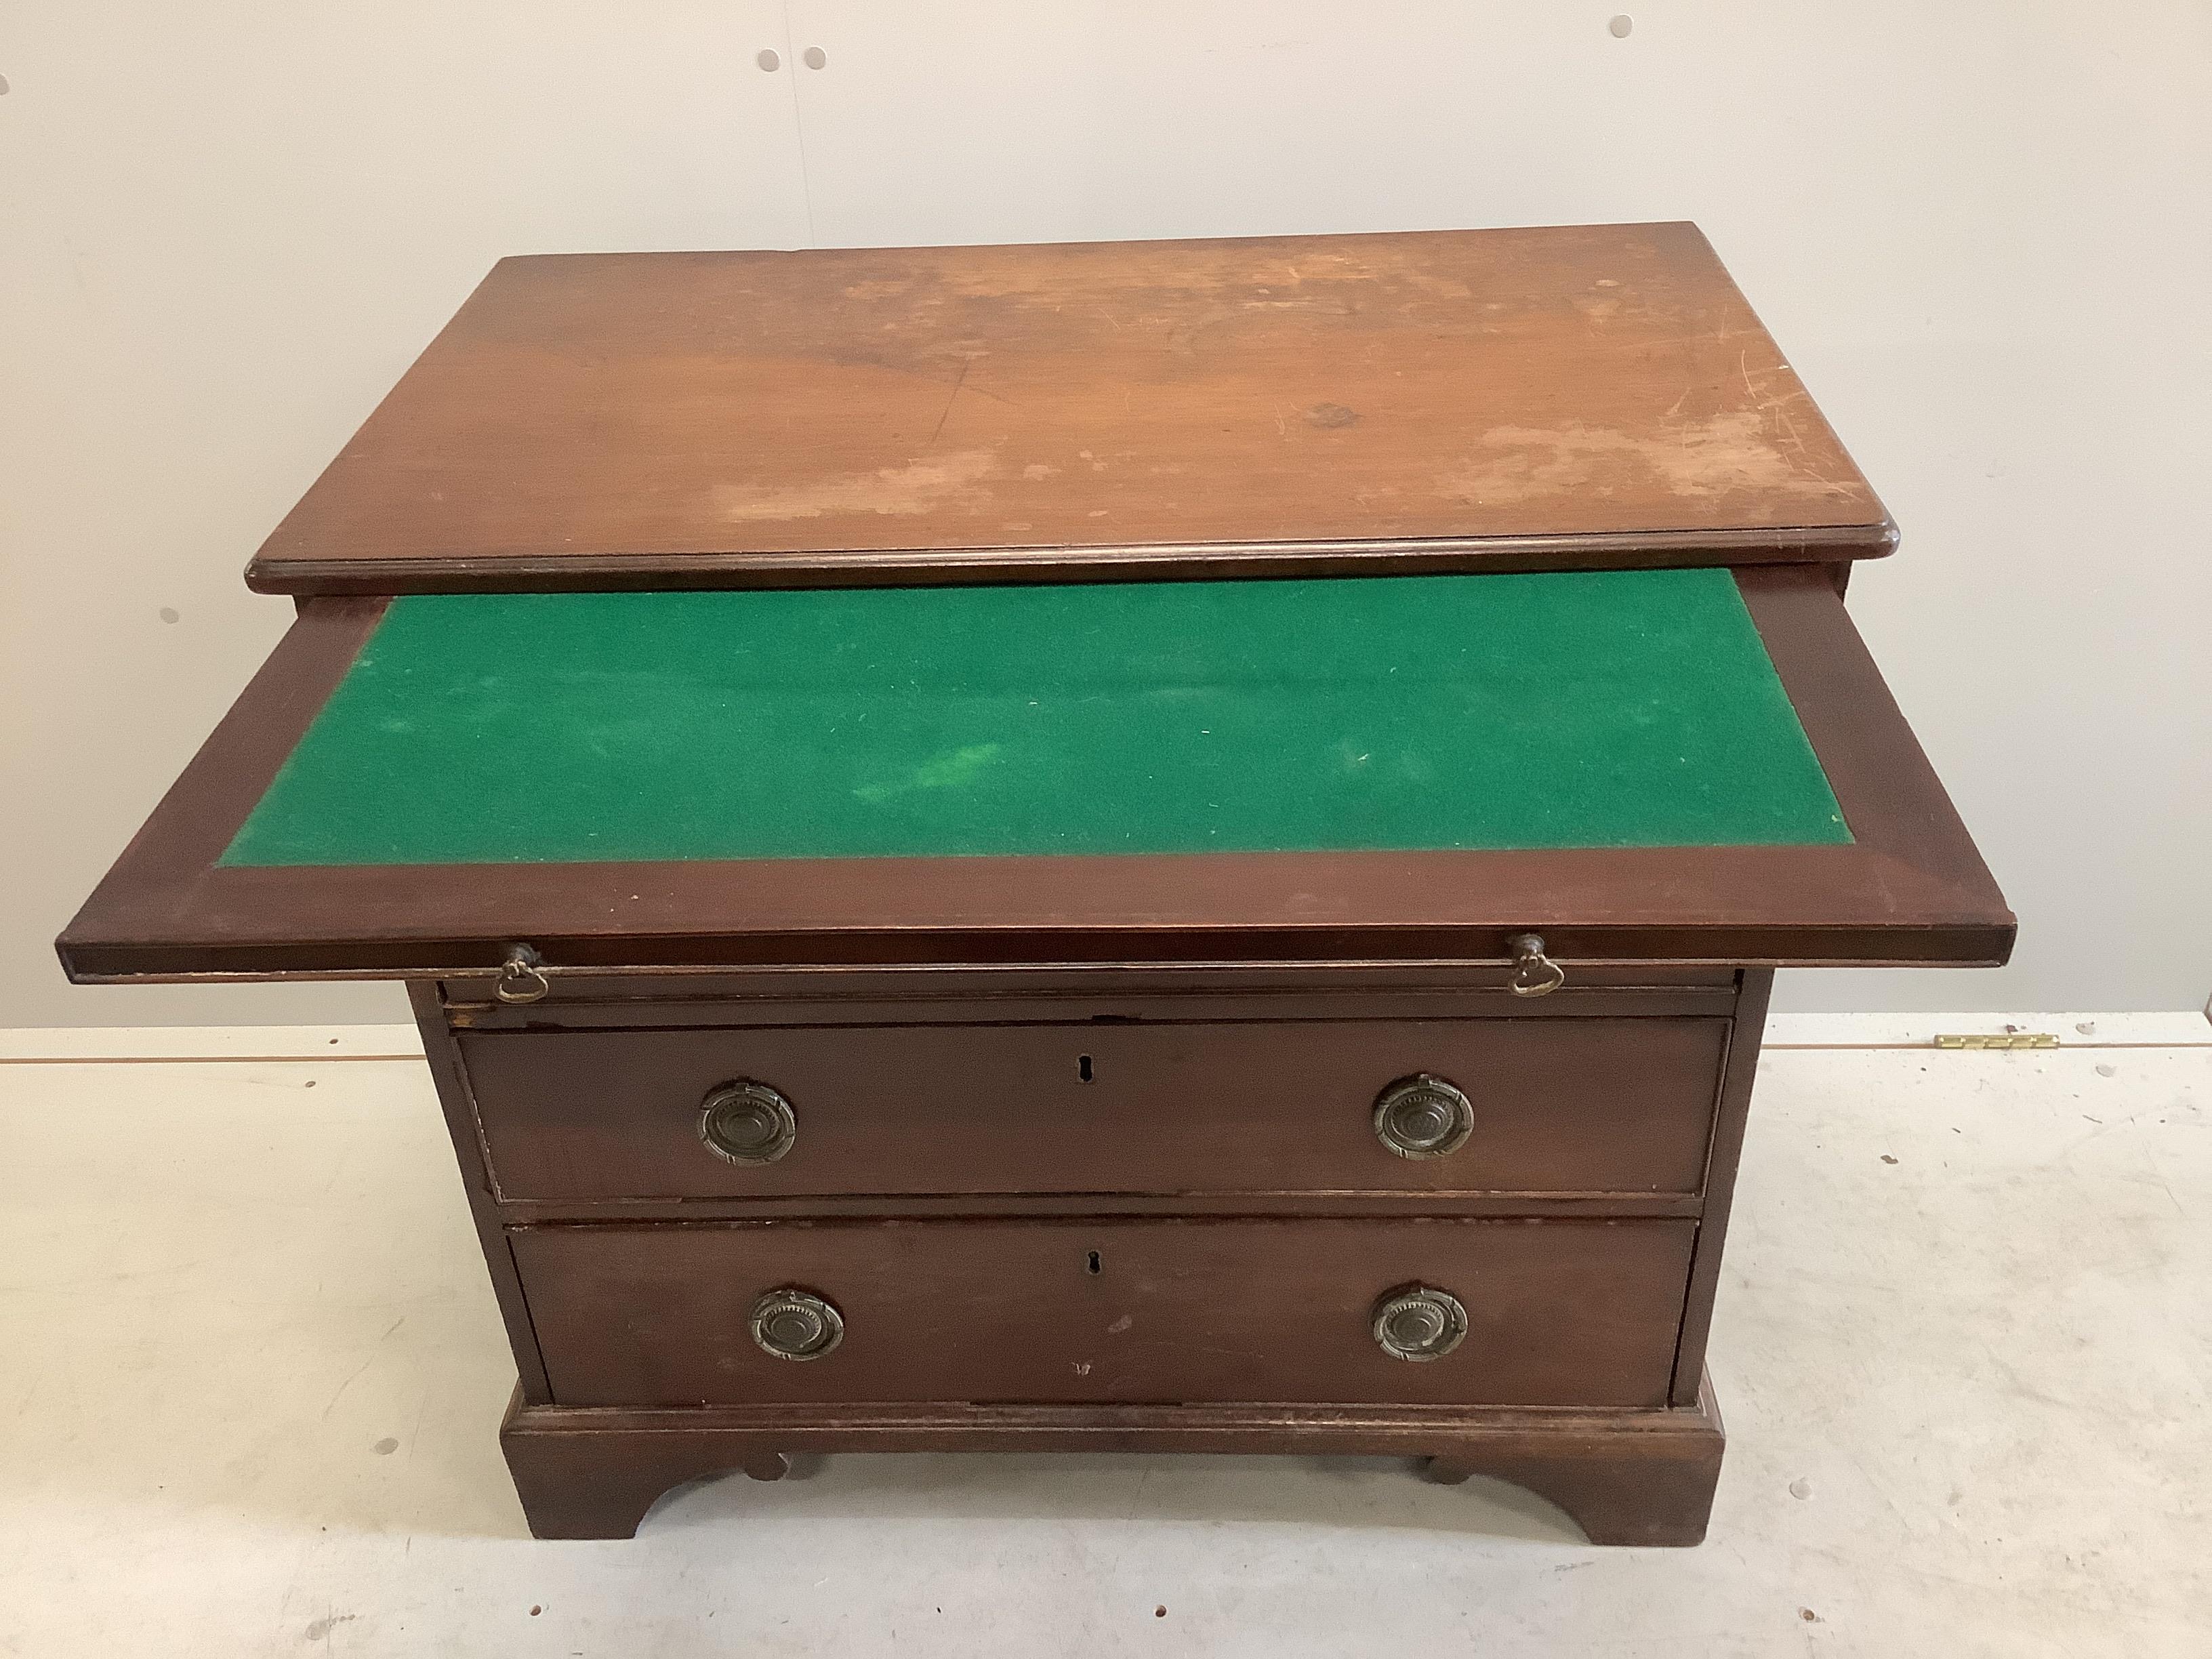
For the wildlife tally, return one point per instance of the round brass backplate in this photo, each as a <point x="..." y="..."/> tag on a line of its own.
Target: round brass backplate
<point x="795" y="1324"/>
<point x="747" y="1122"/>
<point x="1418" y="1322"/>
<point x="1423" y="1116"/>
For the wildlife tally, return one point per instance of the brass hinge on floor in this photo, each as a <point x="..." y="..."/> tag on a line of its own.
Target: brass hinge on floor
<point x="1998" y="1040"/>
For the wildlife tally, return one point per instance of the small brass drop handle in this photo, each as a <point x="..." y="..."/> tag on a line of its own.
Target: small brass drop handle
<point x="747" y="1122"/>
<point x="794" y="1324"/>
<point x="521" y="977"/>
<point x="1418" y="1322"/>
<point x="1534" y="974"/>
<point x="1423" y="1116"/>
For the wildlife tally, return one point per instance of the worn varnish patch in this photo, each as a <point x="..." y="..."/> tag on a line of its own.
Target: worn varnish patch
<point x="815" y="410"/>
<point x="921" y="486"/>
<point x="1697" y="459"/>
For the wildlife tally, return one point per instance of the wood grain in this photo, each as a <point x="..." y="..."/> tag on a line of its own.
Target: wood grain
<point x="1738" y="1076"/>
<point x="1624" y="1477"/>
<point x="1127" y="1311"/>
<point x="447" y="1076"/>
<point x="1561" y="1106"/>
<point x="1580" y="395"/>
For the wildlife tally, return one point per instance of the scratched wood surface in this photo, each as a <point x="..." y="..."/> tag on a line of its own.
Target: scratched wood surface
<point x="1570" y="396"/>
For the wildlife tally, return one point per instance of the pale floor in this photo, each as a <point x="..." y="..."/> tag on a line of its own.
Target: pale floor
<point x="250" y="1373"/>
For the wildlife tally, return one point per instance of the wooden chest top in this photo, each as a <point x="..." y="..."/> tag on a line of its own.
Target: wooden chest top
<point x="1497" y="399"/>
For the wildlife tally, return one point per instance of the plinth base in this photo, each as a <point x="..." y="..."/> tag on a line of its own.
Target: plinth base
<point x="1626" y="1477"/>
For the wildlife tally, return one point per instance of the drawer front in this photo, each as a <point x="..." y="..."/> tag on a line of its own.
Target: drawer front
<point x="1577" y="1105"/>
<point x="1555" y="1313"/>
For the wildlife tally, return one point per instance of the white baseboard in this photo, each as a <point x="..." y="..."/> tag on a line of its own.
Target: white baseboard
<point x="145" y="1043"/>
<point x="204" y="1043"/>
<point x="2075" y="1031"/>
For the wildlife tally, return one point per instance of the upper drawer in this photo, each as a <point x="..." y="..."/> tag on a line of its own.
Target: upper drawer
<point x="1591" y="1105"/>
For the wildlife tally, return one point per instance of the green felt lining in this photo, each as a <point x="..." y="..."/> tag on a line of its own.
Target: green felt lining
<point x="1628" y="708"/>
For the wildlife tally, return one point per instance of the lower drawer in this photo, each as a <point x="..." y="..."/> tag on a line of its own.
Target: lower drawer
<point x="1553" y="1312"/>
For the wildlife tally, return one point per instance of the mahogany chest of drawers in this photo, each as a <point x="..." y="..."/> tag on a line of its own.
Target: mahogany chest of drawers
<point x="1119" y="1215"/>
<point x="1170" y="845"/>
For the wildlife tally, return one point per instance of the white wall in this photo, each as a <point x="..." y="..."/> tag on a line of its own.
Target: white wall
<point x="1982" y="231"/>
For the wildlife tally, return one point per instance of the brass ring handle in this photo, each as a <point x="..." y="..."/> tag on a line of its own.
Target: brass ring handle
<point x="1423" y="1116"/>
<point x="521" y="977"/>
<point x="747" y="1122"/>
<point x="794" y="1324"/>
<point x="1418" y="1322"/>
<point x="1534" y="974"/>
